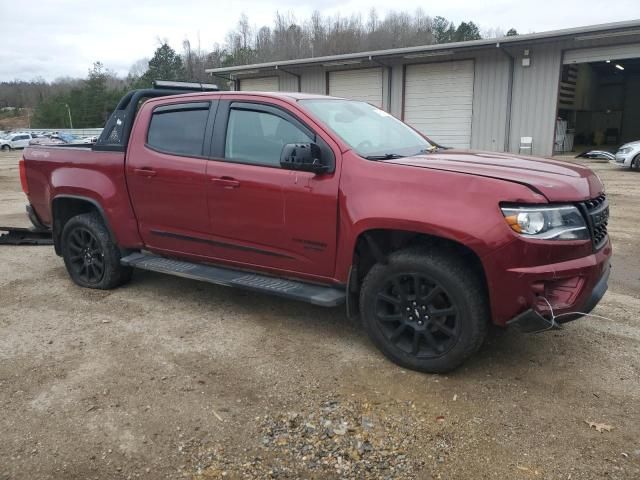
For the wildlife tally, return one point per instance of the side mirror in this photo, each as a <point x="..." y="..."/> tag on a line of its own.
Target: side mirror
<point x="306" y="157"/>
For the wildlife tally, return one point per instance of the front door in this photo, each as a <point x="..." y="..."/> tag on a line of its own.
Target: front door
<point x="167" y="181"/>
<point x="262" y="215"/>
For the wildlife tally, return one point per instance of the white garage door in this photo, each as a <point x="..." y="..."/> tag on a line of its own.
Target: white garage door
<point x="600" y="54"/>
<point x="363" y="84"/>
<point x="439" y="101"/>
<point x="264" y="84"/>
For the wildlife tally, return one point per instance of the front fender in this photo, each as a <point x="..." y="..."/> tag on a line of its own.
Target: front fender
<point x="459" y="207"/>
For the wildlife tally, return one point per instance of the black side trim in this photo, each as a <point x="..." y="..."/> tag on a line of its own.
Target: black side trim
<point x="220" y="244"/>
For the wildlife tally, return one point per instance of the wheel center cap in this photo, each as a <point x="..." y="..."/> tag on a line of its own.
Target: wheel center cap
<point x="417" y="312"/>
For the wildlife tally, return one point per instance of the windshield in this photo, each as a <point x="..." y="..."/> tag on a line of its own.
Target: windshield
<point x="371" y="132"/>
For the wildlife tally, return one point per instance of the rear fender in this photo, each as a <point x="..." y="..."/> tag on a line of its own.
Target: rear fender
<point x="105" y="196"/>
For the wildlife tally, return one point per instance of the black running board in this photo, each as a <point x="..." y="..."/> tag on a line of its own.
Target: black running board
<point x="296" y="290"/>
<point x="25" y="236"/>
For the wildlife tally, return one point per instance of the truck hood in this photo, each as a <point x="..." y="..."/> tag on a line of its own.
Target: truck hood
<point x="558" y="181"/>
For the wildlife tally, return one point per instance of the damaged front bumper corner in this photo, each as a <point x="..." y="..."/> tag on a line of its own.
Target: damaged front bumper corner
<point x="532" y="321"/>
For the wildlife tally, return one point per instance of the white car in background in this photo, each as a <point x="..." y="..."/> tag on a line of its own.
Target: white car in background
<point x="628" y="155"/>
<point x="15" y="140"/>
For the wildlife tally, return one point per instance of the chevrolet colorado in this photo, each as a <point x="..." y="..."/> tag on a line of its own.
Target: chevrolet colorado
<point x="329" y="201"/>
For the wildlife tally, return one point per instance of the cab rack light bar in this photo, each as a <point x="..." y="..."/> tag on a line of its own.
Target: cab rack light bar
<point x="192" y="86"/>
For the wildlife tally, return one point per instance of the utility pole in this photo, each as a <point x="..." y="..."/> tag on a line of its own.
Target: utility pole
<point x="69" y="112"/>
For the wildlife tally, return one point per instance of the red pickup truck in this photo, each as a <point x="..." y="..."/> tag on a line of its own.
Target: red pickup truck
<point x="328" y="201"/>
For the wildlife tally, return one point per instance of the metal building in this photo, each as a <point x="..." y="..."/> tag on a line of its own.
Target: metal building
<point x="579" y="85"/>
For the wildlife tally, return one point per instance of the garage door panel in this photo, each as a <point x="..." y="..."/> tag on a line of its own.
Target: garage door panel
<point x="363" y="84"/>
<point x="449" y="103"/>
<point x="439" y="101"/>
<point x="262" y="84"/>
<point x="600" y="54"/>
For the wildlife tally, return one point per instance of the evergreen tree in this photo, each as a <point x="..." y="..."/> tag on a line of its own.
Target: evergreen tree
<point x="467" y="31"/>
<point x="166" y="64"/>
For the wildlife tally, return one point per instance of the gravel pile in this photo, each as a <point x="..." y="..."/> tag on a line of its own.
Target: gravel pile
<point x="338" y="439"/>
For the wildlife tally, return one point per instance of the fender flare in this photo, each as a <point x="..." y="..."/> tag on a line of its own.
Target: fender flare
<point x="93" y="202"/>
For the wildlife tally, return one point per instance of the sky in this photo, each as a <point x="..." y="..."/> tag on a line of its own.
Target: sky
<point x="51" y="39"/>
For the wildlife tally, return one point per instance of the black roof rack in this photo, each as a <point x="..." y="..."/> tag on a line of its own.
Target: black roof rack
<point x="191" y="86"/>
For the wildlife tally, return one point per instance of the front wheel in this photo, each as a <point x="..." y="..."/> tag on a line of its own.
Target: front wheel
<point x="91" y="257"/>
<point x="635" y="163"/>
<point x="425" y="310"/>
<point x="6" y="148"/>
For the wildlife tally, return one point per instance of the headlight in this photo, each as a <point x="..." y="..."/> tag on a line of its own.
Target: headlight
<point x="562" y="222"/>
<point x="624" y="150"/>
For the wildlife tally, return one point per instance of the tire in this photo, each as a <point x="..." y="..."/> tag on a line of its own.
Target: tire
<point x="6" y="148"/>
<point x="450" y="316"/>
<point x="635" y="163"/>
<point x="91" y="257"/>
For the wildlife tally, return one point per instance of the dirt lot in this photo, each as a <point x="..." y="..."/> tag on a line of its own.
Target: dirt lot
<point x="170" y="378"/>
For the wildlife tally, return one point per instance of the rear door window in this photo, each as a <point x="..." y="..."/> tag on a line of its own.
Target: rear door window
<point x="179" y="129"/>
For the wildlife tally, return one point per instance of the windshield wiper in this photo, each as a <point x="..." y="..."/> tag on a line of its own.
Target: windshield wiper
<point x="384" y="156"/>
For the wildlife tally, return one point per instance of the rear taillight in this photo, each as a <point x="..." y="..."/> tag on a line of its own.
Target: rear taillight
<point x="23" y="177"/>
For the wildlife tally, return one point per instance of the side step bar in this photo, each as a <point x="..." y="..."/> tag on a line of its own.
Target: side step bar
<point x="296" y="290"/>
<point x="25" y="236"/>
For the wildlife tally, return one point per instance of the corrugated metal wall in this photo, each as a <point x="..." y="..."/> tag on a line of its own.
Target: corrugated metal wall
<point x="534" y="91"/>
<point x="314" y="80"/>
<point x="535" y="94"/>
<point x="490" y="102"/>
<point x="490" y="96"/>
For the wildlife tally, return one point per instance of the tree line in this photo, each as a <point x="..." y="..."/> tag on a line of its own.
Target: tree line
<point x="88" y="102"/>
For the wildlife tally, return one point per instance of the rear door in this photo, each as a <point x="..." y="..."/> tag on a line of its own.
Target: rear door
<point x="166" y="176"/>
<point x="260" y="214"/>
<point x="20" y="141"/>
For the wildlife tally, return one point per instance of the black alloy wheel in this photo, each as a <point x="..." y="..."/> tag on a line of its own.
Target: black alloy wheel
<point x="86" y="256"/>
<point x="417" y="315"/>
<point x="425" y="308"/>
<point x="91" y="256"/>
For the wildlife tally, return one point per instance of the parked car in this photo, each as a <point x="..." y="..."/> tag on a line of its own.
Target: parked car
<point x="329" y="201"/>
<point x="15" y="141"/>
<point x="55" y="139"/>
<point x="628" y="155"/>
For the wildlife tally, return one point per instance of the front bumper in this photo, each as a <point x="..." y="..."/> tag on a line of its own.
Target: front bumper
<point x="531" y="321"/>
<point x="624" y="159"/>
<point x="525" y="275"/>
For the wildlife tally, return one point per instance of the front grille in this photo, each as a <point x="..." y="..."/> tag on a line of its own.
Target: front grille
<point x="596" y="212"/>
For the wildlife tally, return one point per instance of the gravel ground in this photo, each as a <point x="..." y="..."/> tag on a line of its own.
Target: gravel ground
<point x="170" y="378"/>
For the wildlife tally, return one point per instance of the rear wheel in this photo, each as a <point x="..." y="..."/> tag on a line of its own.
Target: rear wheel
<point x="91" y="257"/>
<point x="424" y="310"/>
